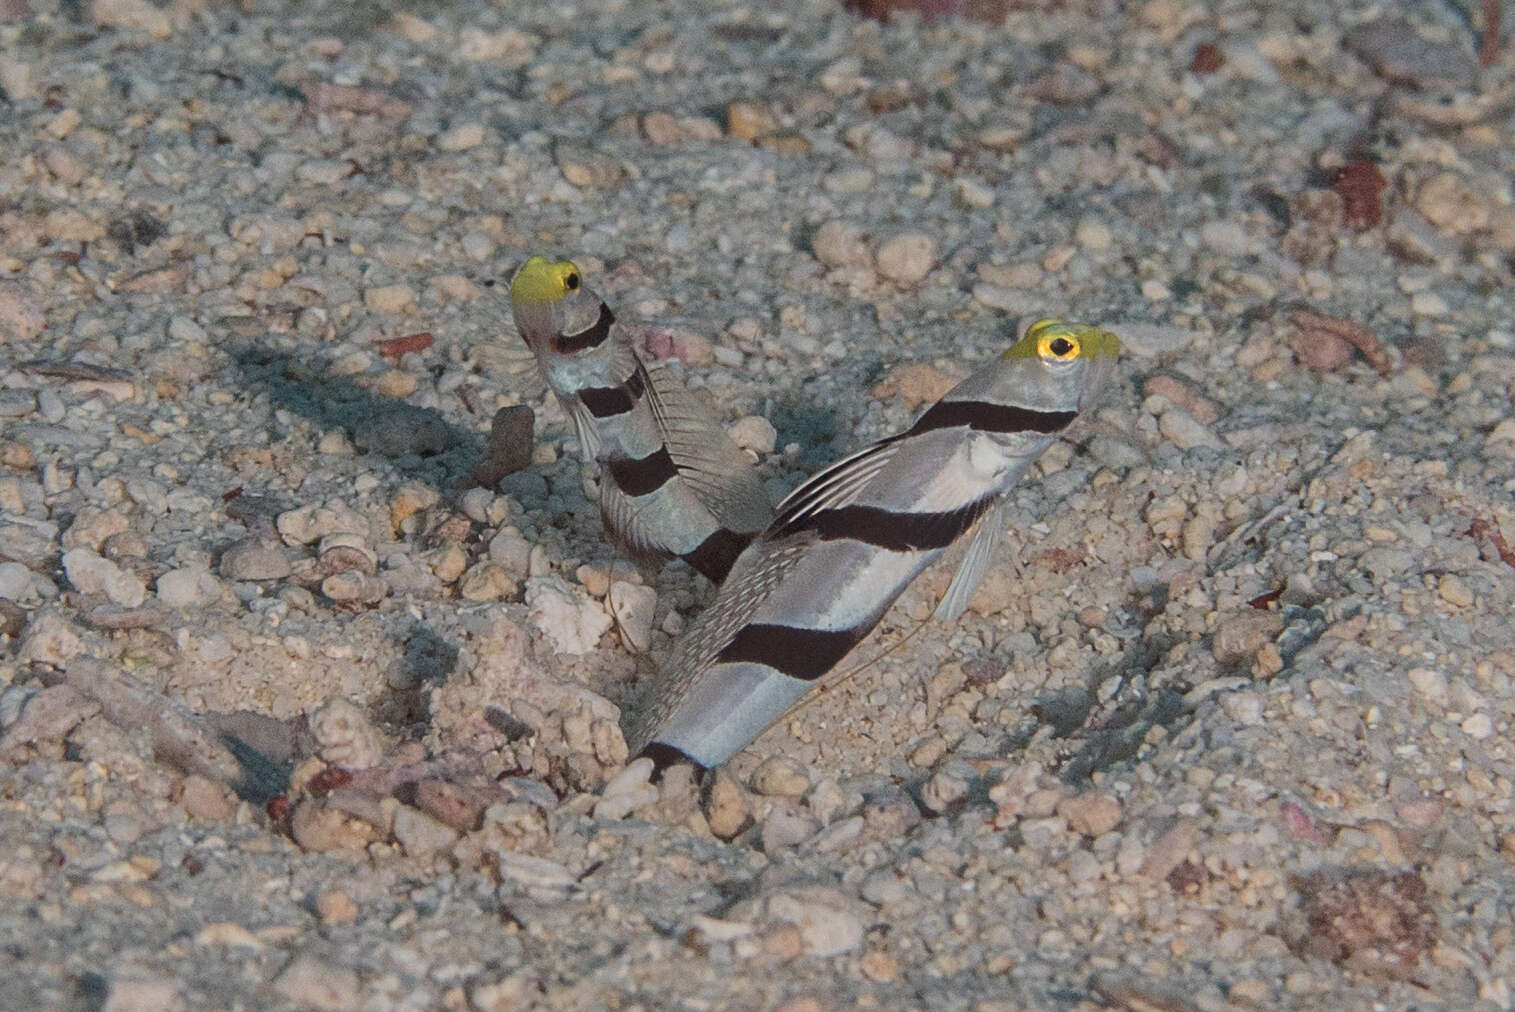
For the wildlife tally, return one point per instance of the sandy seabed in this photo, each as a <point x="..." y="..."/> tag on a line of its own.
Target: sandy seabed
<point x="294" y="717"/>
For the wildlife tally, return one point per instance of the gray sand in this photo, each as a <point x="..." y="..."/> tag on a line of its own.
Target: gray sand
<point x="290" y="719"/>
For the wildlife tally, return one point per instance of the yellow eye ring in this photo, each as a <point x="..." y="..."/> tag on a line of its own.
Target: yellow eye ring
<point x="1055" y="340"/>
<point x="1058" y="347"/>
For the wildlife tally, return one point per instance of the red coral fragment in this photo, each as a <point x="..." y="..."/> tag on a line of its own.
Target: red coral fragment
<point x="1186" y="878"/>
<point x="1206" y="60"/>
<point x="1321" y="342"/>
<point x="1263" y="601"/>
<point x="988" y="11"/>
<point x="1370" y="920"/>
<point x="1488" y="530"/>
<point x="329" y="780"/>
<point x="1360" y="186"/>
<point x="397" y="347"/>
<point x="1302" y="825"/>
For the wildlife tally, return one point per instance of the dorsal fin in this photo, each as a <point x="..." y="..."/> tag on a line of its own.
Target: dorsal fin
<point x="720" y="474"/>
<point x="838" y="484"/>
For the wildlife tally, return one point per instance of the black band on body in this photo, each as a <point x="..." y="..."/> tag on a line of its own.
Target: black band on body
<point x="664" y="756"/>
<point x="714" y="556"/>
<point x="607" y="402"/>
<point x="643" y="475"/>
<point x="590" y="337"/>
<point x="895" y="532"/>
<point x="985" y="416"/>
<point x="806" y="654"/>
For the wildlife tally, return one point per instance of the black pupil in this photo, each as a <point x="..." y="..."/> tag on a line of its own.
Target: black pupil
<point x="1061" y="346"/>
<point x="571" y="282"/>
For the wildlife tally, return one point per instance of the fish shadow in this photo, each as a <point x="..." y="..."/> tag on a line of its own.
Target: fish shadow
<point x="420" y="443"/>
<point x="427" y="661"/>
<point x="813" y="428"/>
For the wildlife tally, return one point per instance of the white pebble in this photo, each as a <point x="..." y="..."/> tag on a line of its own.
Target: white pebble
<point x="572" y="623"/>
<point x="1429" y="304"/>
<point x="944" y="789"/>
<point x="254" y="559"/>
<point x="475" y="504"/>
<point x="755" y="433"/>
<point x="306" y="524"/>
<point x="879" y="145"/>
<point x="1479" y="726"/>
<point x="859" y="179"/>
<point x="1042" y="835"/>
<point x="1008" y="300"/>
<point x="1092" y="235"/>
<point x="633" y="606"/>
<point x="1245" y="708"/>
<point x="420" y="835"/>
<point x="318" y="983"/>
<point x="88" y="573"/>
<point x="461" y="137"/>
<point x="183" y="328"/>
<point x="512" y="551"/>
<point x="824" y="916"/>
<point x="1148" y="340"/>
<point x="15" y="581"/>
<point x="21" y="314"/>
<point x="533" y="871"/>
<point x="970" y="193"/>
<point x="50" y="406"/>
<point x="478" y="246"/>
<point x="715" y="930"/>
<point x="787" y="826"/>
<point x="1179" y="428"/>
<point x="884" y="886"/>
<point x="841" y="244"/>
<point x="907" y="259"/>
<point x="187" y="587"/>
<point x="1429" y="683"/>
<point x="780" y="777"/>
<point x="1226" y="238"/>
<point x="629" y="780"/>
<point x="144" y="989"/>
<point x="323" y="171"/>
<point x="613" y="809"/>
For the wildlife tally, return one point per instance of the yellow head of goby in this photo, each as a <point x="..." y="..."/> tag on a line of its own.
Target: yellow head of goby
<point x="1053" y="340"/>
<point x="544" y="281"/>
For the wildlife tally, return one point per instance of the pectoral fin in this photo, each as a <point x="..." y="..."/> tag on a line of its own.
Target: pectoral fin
<point x="991" y="531"/>
<point x="717" y="471"/>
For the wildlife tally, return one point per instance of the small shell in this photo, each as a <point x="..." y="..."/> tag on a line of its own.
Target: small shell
<point x="345" y="737"/>
<point x="341" y="551"/>
<point x="354" y="587"/>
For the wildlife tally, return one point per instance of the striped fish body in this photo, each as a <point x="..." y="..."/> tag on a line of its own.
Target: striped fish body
<point x="848" y="542"/>
<point x="672" y="483"/>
